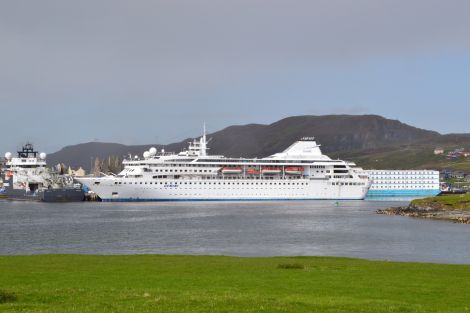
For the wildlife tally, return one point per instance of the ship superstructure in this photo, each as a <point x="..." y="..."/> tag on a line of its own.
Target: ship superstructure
<point x="26" y="177"/>
<point x="299" y="172"/>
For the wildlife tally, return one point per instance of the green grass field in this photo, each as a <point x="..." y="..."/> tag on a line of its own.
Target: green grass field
<point x="69" y="283"/>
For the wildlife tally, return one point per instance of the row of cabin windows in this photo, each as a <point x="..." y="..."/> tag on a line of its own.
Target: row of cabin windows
<point x="403" y="177"/>
<point x="228" y="177"/>
<point x="404" y="173"/>
<point x="213" y="165"/>
<point x="206" y="183"/>
<point x="209" y="171"/>
<point x="402" y="187"/>
<point x="404" y="182"/>
<point x="220" y="162"/>
<point x="219" y="165"/>
<point x="183" y="171"/>
<point x="348" y="184"/>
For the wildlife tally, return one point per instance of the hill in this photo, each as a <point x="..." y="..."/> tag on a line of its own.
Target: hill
<point x="360" y="137"/>
<point x="418" y="155"/>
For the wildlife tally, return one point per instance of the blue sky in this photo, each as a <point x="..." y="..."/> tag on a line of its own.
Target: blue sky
<point x="146" y="71"/>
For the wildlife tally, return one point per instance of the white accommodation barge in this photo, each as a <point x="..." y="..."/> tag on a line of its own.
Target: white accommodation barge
<point x="301" y="172"/>
<point x="404" y="183"/>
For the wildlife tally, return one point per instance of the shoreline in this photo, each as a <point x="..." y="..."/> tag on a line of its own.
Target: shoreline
<point x="451" y="208"/>
<point x="455" y="216"/>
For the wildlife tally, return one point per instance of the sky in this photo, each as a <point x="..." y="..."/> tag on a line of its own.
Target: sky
<point x="151" y="71"/>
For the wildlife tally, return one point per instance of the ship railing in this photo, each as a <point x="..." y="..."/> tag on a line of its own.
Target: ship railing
<point x="150" y="158"/>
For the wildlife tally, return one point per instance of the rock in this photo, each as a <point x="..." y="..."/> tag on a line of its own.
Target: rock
<point x="456" y="216"/>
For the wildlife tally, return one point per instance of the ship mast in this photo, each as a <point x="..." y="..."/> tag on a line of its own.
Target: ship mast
<point x="203" y="142"/>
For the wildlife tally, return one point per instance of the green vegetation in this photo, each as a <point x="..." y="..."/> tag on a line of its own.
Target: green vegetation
<point x="69" y="283"/>
<point x="408" y="157"/>
<point x="447" y="202"/>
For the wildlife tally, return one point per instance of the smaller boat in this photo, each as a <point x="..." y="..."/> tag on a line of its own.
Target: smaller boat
<point x="232" y="170"/>
<point x="27" y="177"/>
<point x="294" y="170"/>
<point x="271" y="171"/>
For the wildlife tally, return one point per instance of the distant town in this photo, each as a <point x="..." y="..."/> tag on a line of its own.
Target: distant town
<point x="456" y="179"/>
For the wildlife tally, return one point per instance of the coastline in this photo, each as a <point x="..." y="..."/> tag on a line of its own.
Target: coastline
<point x="452" y="208"/>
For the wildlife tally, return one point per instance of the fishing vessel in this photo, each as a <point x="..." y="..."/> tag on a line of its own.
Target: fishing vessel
<point x="301" y="172"/>
<point x="26" y="177"/>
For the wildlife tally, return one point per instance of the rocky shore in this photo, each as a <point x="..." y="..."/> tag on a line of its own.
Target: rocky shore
<point x="454" y="208"/>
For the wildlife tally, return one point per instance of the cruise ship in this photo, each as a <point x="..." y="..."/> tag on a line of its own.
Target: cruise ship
<point x="404" y="183"/>
<point x="301" y="172"/>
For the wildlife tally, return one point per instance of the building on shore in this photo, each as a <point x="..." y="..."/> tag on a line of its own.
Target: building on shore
<point x="386" y="183"/>
<point x="438" y="151"/>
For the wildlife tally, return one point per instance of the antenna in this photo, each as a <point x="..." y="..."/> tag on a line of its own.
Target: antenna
<point x="203" y="142"/>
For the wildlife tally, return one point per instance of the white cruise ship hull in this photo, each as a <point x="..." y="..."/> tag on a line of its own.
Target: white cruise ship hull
<point x="112" y="189"/>
<point x="300" y="172"/>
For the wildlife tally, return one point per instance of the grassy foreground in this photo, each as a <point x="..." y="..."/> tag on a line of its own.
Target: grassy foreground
<point x="70" y="283"/>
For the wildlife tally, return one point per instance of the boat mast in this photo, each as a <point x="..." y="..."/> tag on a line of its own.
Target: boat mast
<point x="203" y="142"/>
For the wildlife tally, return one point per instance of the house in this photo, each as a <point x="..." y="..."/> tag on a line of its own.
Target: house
<point x="438" y="151"/>
<point x="457" y="175"/>
<point x="466" y="153"/>
<point x="447" y="174"/>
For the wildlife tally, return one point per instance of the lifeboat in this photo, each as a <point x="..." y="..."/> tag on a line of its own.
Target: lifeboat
<point x="232" y="170"/>
<point x="294" y="170"/>
<point x="252" y="171"/>
<point x="271" y="171"/>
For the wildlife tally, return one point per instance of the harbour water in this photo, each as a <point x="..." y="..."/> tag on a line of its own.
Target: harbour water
<point x="317" y="228"/>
